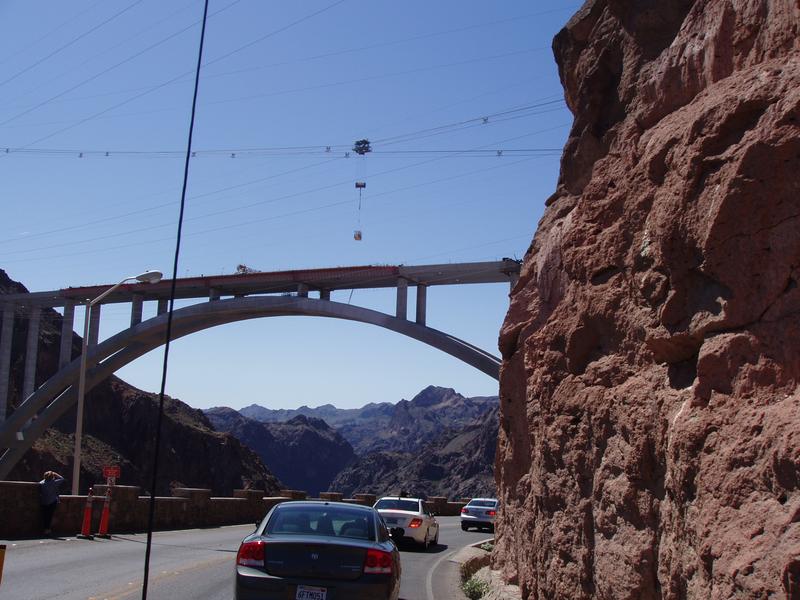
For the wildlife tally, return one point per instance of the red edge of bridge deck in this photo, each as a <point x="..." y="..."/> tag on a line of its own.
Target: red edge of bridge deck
<point x="298" y="275"/>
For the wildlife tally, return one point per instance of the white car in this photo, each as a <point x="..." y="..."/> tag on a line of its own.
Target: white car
<point x="409" y="519"/>
<point x="479" y="513"/>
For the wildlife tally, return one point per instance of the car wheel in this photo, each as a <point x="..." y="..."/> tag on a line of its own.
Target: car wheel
<point x="427" y="542"/>
<point x="436" y="539"/>
<point x="464" y="527"/>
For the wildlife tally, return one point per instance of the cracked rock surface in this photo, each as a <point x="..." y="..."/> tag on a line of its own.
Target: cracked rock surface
<point x="649" y="440"/>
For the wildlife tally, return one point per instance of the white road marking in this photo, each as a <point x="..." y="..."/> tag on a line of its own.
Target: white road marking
<point x="429" y="579"/>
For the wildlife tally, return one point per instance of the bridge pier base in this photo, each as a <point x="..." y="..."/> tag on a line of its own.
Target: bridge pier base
<point x="31" y="349"/>
<point x="6" y="334"/>
<point x="422" y="296"/>
<point x="94" y="324"/>
<point x="68" y="321"/>
<point x="402" y="299"/>
<point x="136" y="309"/>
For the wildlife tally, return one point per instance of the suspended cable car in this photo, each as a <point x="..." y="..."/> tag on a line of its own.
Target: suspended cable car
<point x="361" y="148"/>
<point x="360" y="185"/>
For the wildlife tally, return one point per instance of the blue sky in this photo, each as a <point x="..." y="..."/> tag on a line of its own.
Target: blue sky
<point x="95" y="100"/>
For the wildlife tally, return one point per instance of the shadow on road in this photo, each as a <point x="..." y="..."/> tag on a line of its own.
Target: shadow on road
<point x="433" y="549"/>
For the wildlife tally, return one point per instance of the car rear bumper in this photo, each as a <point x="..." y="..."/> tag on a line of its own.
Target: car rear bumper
<point x="252" y="584"/>
<point x="477" y="521"/>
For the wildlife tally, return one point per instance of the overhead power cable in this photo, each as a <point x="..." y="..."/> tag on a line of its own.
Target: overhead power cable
<point x="251" y="220"/>
<point x="176" y="78"/>
<point x="208" y="76"/>
<point x="35" y="43"/>
<point x="162" y="205"/>
<point x="103" y="72"/>
<point x="498" y="117"/>
<point x="70" y="43"/>
<point x="136" y="35"/>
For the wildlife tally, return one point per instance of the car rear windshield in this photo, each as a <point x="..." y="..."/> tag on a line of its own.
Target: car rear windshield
<point x="329" y="521"/>
<point x="488" y="503"/>
<point x="397" y="504"/>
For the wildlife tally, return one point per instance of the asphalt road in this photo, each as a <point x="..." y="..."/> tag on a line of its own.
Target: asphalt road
<point x="195" y="564"/>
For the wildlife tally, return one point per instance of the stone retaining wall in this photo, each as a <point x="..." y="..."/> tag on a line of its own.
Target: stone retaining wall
<point x="128" y="511"/>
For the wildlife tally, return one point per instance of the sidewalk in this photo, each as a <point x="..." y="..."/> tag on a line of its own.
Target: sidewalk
<point x="474" y="562"/>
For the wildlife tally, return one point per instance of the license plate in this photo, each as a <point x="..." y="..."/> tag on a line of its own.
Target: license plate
<point x="307" y="592"/>
<point x="392" y="521"/>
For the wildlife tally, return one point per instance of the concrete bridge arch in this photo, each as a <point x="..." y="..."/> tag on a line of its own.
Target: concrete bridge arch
<point x="44" y="406"/>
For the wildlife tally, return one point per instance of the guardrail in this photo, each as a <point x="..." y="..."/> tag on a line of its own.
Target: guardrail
<point x="186" y="508"/>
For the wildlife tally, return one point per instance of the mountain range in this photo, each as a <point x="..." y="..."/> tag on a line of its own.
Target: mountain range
<point x="439" y="443"/>
<point x="405" y="426"/>
<point x="304" y="452"/>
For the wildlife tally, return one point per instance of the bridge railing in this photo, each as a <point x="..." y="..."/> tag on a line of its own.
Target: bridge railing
<point x="187" y="508"/>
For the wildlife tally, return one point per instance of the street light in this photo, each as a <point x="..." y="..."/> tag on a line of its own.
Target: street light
<point x="146" y="277"/>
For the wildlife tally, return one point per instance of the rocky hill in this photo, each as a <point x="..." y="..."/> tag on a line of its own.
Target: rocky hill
<point x="458" y="464"/>
<point x="303" y="452"/>
<point x="119" y="429"/>
<point x="649" y="444"/>
<point x="402" y="427"/>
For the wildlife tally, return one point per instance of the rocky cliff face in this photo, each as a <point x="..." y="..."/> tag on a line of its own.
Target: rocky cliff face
<point x="649" y="443"/>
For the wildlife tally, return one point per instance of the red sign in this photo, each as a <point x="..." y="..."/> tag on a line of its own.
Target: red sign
<point x="111" y="471"/>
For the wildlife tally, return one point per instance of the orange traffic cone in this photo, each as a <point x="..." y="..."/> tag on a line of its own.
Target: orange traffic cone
<point x="87" y="519"/>
<point x="103" y="533"/>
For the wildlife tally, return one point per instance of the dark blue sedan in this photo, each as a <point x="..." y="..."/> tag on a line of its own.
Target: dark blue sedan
<point x="318" y="551"/>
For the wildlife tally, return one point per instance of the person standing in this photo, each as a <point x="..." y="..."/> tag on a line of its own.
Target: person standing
<point x="48" y="490"/>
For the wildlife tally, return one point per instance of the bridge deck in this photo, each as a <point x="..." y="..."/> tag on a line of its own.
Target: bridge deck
<point x="337" y="278"/>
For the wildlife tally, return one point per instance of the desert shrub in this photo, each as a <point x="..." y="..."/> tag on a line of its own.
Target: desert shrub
<point x="475" y="588"/>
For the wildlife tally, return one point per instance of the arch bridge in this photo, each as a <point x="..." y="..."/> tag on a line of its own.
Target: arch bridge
<point x="224" y="299"/>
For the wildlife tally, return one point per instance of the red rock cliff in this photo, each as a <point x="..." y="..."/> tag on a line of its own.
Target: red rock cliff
<point x="650" y="429"/>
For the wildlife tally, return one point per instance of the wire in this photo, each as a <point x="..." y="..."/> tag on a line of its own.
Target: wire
<point x="373" y="77"/>
<point x="316" y="149"/>
<point x="250" y="221"/>
<point x="168" y="335"/>
<point x="100" y="74"/>
<point x="106" y="52"/>
<point x="176" y="78"/>
<point x="35" y="43"/>
<point x="68" y="44"/>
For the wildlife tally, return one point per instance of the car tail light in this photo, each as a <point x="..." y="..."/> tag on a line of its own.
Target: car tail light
<point x="465" y="511"/>
<point x="251" y="554"/>
<point x="415" y="523"/>
<point x="378" y="562"/>
<point x="491" y="513"/>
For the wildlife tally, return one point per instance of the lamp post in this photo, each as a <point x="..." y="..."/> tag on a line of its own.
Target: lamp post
<point x="146" y="277"/>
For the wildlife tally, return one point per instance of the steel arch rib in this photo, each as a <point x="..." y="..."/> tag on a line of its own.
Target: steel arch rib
<point x="58" y="393"/>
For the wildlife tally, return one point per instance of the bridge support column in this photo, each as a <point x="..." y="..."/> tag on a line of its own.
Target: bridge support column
<point x="137" y="300"/>
<point x="31" y="350"/>
<point x="402" y="299"/>
<point x="324" y="294"/>
<point x="6" y="334"/>
<point x="422" y="295"/>
<point x="302" y="290"/>
<point x="213" y="294"/>
<point x="163" y="306"/>
<point x="67" y="323"/>
<point x="94" y="324"/>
